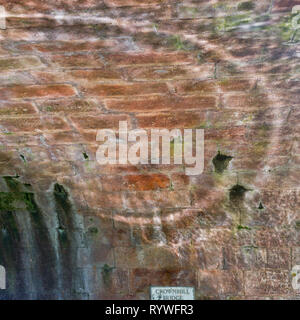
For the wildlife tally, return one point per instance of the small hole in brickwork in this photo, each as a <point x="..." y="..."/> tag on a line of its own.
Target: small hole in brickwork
<point x="237" y="193"/>
<point x="221" y="161"/>
<point x="261" y="207"/>
<point x="85" y="155"/>
<point x="23" y="158"/>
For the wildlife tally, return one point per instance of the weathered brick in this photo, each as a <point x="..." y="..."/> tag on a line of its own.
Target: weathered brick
<point x="121" y="3"/>
<point x="267" y="282"/>
<point x="183" y="119"/>
<point x="147" y="182"/>
<point x="176" y="72"/>
<point x="155" y="58"/>
<point x="195" y="87"/>
<point x="86" y="77"/>
<point x="68" y="106"/>
<point x="23" y="138"/>
<point x="15" y="78"/>
<point x="295" y="256"/>
<point x="37" y="91"/>
<point x="246" y="101"/>
<point x="278" y="207"/>
<point x="180" y="181"/>
<point x="284" y="5"/>
<point x="145" y="201"/>
<point x="77" y="61"/>
<point x="162" y="103"/>
<point x="2" y="51"/>
<point x="106" y="90"/>
<point x="16" y="108"/>
<point x="62" y="33"/>
<point x="65" y="46"/>
<point x="236" y="85"/>
<point x="20" y="63"/>
<point x="279" y="258"/>
<point x="135" y="182"/>
<point x="247" y="257"/>
<point x="157" y="258"/>
<point x="63" y="137"/>
<point x="219" y="284"/>
<point x="32" y="124"/>
<point x="104" y="121"/>
<point x="279" y="237"/>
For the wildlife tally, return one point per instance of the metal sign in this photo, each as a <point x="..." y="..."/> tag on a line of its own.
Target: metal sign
<point x="172" y="293"/>
<point x="2" y="278"/>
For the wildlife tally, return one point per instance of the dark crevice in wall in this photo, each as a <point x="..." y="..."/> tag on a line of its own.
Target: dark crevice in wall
<point x="221" y="162"/>
<point x="237" y="193"/>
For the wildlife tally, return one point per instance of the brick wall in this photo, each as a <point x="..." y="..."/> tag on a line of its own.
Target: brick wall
<point x="68" y="68"/>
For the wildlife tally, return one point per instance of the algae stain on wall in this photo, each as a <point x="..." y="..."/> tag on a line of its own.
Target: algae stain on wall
<point x="39" y="265"/>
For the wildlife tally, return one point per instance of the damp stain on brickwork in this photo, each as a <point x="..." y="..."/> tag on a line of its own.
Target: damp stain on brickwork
<point x="221" y="162"/>
<point x="37" y="266"/>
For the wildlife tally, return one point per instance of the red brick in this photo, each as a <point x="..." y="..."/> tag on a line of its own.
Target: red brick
<point x="176" y="72"/>
<point x="67" y="46"/>
<point x="140" y="182"/>
<point x="124" y="59"/>
<point x="16" y="108"/>
<point x="226" y="133"/>
<point x="3" y="51"/>
<point x="104" y="121"/>
<point x="68" y="106"/>
<point x="106" y="90"/>
<point x="76" y="61"/>
<point x="64" y="137"/>
<point x="284" y="5"/>
<point x="30" y="22"/>
<point x="156" y="257"/>
<point x="235" y="85"/>
<point x="85" y="77"/>
<point x="20" y="63"/>
<point x="32" y="124"/>
<point x="37" y="91"/>
<point x="183" y="119"/>
<point x="125" y="3"/>
<point x="180" y="181"/>
<point x="246" y="101"/>
<point x="162" y="103"/>
<point x="195" y="87"/>
<point x="96" y="75"/>
<point x="147" y="182"/>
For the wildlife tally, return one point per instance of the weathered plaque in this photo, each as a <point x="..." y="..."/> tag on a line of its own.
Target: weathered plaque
<point x="2" y="278"/>
<point x="172" y="293"/>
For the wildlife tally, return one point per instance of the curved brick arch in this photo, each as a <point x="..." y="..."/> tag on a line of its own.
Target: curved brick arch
<point x="185" y="66"/>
